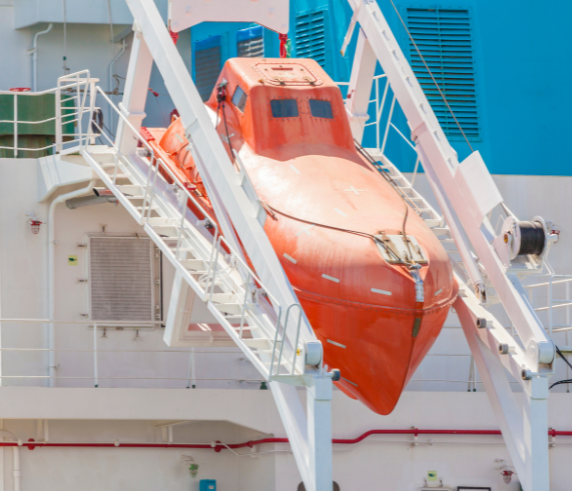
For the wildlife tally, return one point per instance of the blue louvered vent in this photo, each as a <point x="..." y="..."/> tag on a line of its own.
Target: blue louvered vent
<point x="250" y="42"/>
<point x="208" y="63"/>
<point x="310" y="39"/>
<point x="443" y="37"/>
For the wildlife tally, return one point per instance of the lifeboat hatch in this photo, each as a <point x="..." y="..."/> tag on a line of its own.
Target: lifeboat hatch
<point x="287" y="74"/>
<point x="396" y="249"/>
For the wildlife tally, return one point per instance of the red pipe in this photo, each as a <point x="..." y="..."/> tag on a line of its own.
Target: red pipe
<point x="31" y="444"/>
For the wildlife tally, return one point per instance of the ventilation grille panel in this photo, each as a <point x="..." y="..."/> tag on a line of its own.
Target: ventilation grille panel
<point x="250" y="42"/>
<point x="208" y="63"/>
<point x="120" y="279"/>
<point x="443" y="37"/>
<point x="311" y="36"/>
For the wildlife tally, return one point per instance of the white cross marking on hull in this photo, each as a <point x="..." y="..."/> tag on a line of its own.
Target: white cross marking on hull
<point x="305" y="230"/>
<point x="357" y="191"/>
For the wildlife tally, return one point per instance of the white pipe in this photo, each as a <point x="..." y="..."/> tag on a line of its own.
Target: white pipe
<point x="35" y="57"/>
<point x="51" y="275"/>
<point x="112" y="64"/>
<point x="17" y="473"/>
<point x="111" y="70"/>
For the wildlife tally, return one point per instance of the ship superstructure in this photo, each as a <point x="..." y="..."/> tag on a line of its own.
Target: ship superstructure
<point x="104" y="270"/>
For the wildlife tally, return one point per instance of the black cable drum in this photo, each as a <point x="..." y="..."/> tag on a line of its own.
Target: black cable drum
<point x="532" y="238"/>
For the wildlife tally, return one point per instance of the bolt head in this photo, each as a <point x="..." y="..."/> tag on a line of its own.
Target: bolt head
<point x="503" y="349"/>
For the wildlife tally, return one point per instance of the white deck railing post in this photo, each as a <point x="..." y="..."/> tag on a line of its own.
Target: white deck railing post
<point x="15" y="125"/>
<point x="95" y="368"/>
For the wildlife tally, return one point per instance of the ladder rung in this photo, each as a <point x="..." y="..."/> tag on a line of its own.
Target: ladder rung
<point x="195" y="265"/>
<point x="175" y="227"/>
<point x="433" y="222"/>
<point x="225" y="298"/>
<point x="120" y="176"/>
<point x="260" y="343"/>
<point x="130" y="189"/>
<point x="162" y="221"/>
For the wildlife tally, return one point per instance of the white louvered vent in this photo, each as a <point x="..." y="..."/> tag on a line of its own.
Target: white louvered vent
<point x="120" y="279"/>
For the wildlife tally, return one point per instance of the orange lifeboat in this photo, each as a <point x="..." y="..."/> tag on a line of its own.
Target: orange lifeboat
<point x="373" y="279"/>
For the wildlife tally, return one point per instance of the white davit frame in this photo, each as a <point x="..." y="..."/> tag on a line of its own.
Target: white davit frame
<point x="465" y="192"/>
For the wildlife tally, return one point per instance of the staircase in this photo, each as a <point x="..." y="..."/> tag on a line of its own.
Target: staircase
<point x="429" y="215"/>
<point x="217" y="273"/>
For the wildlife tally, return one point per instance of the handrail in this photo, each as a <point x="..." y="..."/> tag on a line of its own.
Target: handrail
<point x="219" y="240"/>
<point x="186" y="192"/>
<point x="65" y="84"/>
<point x="538" y="285"/>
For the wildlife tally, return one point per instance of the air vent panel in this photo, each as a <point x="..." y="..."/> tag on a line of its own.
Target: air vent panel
<point x="120" y="279"/>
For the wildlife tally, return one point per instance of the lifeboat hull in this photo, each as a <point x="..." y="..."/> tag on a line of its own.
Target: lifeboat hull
<point x="329" y="213"/>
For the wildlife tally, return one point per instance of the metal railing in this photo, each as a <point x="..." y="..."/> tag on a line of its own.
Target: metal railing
<point x="186" y="373"/>
<point x="382" y="126"/>
<point x="555" y="282"/>
<point x="79" y="88"/>
<point x="243" y="281"/>
<point x="185" y="376"/>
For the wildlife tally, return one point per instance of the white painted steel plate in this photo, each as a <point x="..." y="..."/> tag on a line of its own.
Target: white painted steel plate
<point x="273" y="14"/>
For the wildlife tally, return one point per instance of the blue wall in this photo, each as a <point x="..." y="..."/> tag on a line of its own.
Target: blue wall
<point x="228" y="32"/>
<point x="523" y="67"/>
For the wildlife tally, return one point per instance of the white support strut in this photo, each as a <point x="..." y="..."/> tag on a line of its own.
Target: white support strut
<point x="357" y="101"/>
<point x="523" y="421"/>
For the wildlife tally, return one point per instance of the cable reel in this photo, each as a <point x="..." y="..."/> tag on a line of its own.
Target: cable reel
<point x="525" y="238"/>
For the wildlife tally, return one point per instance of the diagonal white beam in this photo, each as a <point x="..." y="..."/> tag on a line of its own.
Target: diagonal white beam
<point x="212" y="160"/>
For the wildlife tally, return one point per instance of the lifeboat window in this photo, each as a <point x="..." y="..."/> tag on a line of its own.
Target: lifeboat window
<point x="284" y="108"/>
<point x="239" y="98"/>
<point x="321" y="109"/>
